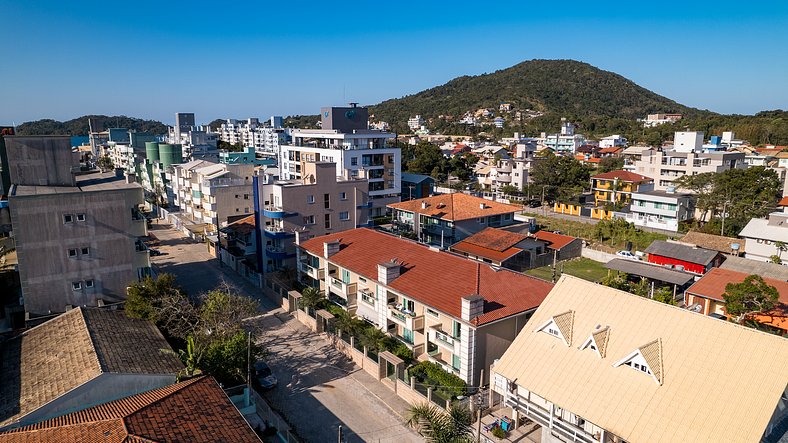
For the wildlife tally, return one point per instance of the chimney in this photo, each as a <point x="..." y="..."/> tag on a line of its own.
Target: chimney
<point x="423" y="205"/>
<point x="388" y="271"/>
<point x="131" y="177"/>
<point x="482" y="206"/>
<point x="472" y="307"/>
<point x="330" y="248"/>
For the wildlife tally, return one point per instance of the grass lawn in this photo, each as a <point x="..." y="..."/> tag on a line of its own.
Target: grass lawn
<point x="584" y="268"/>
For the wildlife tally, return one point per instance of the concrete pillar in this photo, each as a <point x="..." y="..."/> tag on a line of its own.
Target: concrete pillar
<point x="429" y="394"/>
<point x="413" y="383"/>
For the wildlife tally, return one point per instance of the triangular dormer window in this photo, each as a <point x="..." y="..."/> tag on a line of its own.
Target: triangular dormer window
<point x="559" y="326"/>
<point x="597" y="341"/>
<point x="646" y="359"/>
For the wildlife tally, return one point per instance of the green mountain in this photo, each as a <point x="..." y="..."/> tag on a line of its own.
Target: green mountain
<point x="566" y="87"/>
<point x="79" y="125"/>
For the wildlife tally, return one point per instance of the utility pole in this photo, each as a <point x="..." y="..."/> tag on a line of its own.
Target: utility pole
<point x="339" y="434"/>
<point x="248" y="368"/>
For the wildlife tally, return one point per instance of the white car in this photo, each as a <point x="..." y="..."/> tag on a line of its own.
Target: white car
<point x="627" y="254"/>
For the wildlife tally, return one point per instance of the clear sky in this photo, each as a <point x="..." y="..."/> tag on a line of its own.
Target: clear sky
<point x="62" y="59"/>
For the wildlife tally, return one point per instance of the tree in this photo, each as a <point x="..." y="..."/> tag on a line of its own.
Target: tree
<point x="751" y="296"/>
<point x="608" y="164"/>
<point x="428" y="159"/>
<point x="438" y="426"/>
<point x="562" y="177"/>
<point x="105" y="163"/>
<point x="509" y="190"/>
<point x="664" y="294"/>
<point x="310" y="299"/>
<point x="781" y="247"/>
<point x="616" y="280"/>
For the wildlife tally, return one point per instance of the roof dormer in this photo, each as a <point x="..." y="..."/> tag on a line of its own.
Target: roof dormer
<point x="646" y="359"/>
<point x="597" y="341"/>
<point x="559" y="326"/>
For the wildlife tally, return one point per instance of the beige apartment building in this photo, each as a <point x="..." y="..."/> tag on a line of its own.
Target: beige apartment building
<point x="213" y="194"/>
<point x="456" y="312"/>
<point x="667" y="166"/>
<point x="318" y="203"/>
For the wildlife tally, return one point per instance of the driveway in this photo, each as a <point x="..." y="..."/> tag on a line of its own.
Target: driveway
<point x="320" y="389"/>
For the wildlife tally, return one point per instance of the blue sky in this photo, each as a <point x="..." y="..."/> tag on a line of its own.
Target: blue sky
<point x="63" y="59"/>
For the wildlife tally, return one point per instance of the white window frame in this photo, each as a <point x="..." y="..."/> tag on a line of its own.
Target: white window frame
<point x="84" y="250"/>
<point x="75" y="252"/>
<point x="89" y="284"/>
<point x="343" y="195"/>
<point x="76" y="285"/>
<point x="81" y="217"/>
<point x="310" y="199"/>
<point x="346" y="217"/>
<point x="67" y="216"/>
<point x="551" y="328"/>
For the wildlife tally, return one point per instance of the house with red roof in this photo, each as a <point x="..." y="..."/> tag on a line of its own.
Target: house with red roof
<point x="445" y="219"/>
<point x="456" y="312"/>
<point x="706" y="296"/>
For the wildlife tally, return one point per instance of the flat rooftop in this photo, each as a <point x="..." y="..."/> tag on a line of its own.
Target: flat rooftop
<point x="98" y="181"/>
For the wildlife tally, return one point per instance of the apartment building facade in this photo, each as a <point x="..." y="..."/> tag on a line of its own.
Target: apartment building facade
<point x="616" y="187"/>
<point x="659" y="209"/>
<point x="213" y="193"/>
<point x="457" y="313"/>
<point x="358" y="152"/>
<point x="594" y="361"/>
<point x="665" y="167"/>
<point x="77" y="236"/>
<point x="445" y="219"/>
<point x="317" y="204"/>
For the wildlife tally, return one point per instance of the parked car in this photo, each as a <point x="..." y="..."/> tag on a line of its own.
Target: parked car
<point x="263" y="377"/>
<point x="154" y="252"/>
<point x="534" y="204"/>
<point x="627" y="254"/>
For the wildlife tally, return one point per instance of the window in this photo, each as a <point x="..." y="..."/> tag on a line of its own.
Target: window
<point x="455" y="361"/>
<point x="81" y="217"/>
<point x="72" y="252"/>
<point x="368" y="298"/>
<point x="328" y="221"/>
<point x="246" y="196"/>
<point x="456" y="329"/>
<point x="237" y="196"/>
<point x="480" y="220"/>
<point x="327" y="201"/>
<point x="76" y="285"/>
<point x="246" y="210"/>
<point x="343" y="195"/>
<point x="353" y="161"/>
<point x="85" y="251"/>
<point x="310" y="199"/>
<point x="507" y="216"/>
<point x="88" y="283"/>
<point x="433" y="313"/>
<point x="68" y="218"/>
<point x="309" y="219"/>
<point x="344" y="215"/>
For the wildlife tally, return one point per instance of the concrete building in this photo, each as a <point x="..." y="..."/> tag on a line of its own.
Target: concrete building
<point x="767" y="237"/>
<point x="613" y="141"/>
<point x="564" y="142"/>
<point x="77" y="236"/>
<point x="455" y="312"/>
<point x="100" y="355"/>
<point x="659" y="209"/>
<point x="688" y="141"/>
<point x="152" y="171"/>
<point x="415" y="123"/>
<point x="417" y="186"/>
<point x="319" y="203"/>
<point x="653" y="120"/>
<point x="666" y="166"/>
<point x="445" y="219"/>
<point x="213" y="194"/>
<point x="358" y="152"/>
<point x="596" y="364"/>
<point x="616" y="187"/>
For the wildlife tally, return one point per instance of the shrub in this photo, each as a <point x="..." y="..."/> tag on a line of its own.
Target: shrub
<point x="498" y="432"/>
<point x="431" y="374"/>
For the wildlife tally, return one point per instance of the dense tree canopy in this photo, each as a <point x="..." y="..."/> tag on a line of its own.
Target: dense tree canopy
<point x="753" y="295"/>
<point x="79" y="125"/>
<point x="562" y="177"/>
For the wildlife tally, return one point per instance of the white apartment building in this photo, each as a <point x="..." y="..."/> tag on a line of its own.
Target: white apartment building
<point x="691" y="141"/>
<point x="566" y="141"/>
<point x="599" y="365"/>
<point x="653" y="120"/>
<point x="358" y="152"/>
<point x="453" y="311"/>
<point x="659" y="209"/>
<point x="415" y="123"/>
<point x="767" y="237"/>
<point x="667" y="166"/>
<point x="613" y="141"/>
<point x="212" y="193"/>
<point x="265" y="137"/>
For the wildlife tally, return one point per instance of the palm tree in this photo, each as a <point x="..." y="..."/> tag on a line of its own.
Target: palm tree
<point x="310" y="299"/>
<point x="439" y="426"/>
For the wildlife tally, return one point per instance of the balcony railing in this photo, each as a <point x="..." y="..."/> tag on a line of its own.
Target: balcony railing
<point x="405" y="317"/>
<point x="221" y="182"/>
<point x="346" y="290"/>
<point x="441" y="338"/>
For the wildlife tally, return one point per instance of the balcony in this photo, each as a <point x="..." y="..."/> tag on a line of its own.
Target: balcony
<point x="405" y="318"/>
<point x="435" y="357"/>
<point x="503" y="178"/>
<point x="366" y="205"/>
<point x="275" y="252"/>
<point x="273" y="212"/>
<point x="441" y="338"/>
<point x="346" y="290"/>
<point x="276" y="232"/>
<point x="315" y="273"/>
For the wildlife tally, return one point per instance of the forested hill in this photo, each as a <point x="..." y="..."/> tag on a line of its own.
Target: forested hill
<point x="79" y="125"/>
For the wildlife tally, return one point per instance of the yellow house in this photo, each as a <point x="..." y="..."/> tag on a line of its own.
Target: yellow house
<point x="617" y="187"/>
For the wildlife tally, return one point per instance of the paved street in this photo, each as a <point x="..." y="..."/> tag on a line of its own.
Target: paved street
<point x="319" y="388"/>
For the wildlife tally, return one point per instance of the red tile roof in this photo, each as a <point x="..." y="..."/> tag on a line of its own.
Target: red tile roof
<point x="480" y="251"/>
<point x="622" y="175"/>
<point x="712" y="285"/>
<point x="436" y="279"/>
<point x="455" y="207"/>
<point x="195" y="410"/>
<point x="783" y="201"/>
<point x="612" y="150"/>
<point x="556" y="241"/>
<point x="242" y="226"/>
<point x="495" y="239"/>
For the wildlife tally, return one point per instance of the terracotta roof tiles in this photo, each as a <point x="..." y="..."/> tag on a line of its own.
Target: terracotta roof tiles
<point x="455" y="207"/>
<point x="436" y="279"/>
<point x="622" y="175"/>
<point x="556" y="241"/>
<point x="195" y="410"/>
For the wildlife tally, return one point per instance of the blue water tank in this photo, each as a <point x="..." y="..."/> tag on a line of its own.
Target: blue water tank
<point x="716" y="140"/>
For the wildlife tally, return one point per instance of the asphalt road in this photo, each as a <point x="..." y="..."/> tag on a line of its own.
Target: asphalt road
<point x="319" y="389"/>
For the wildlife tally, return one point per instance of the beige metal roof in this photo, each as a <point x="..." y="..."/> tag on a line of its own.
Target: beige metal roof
<point x="720" y="381"/>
